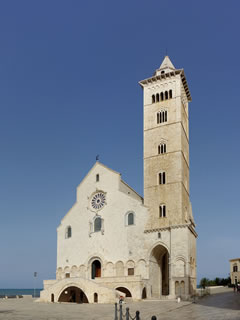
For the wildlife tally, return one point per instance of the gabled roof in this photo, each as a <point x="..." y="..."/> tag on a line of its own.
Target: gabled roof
<point x="121" y="181"/>
<point x="96" y="164"/>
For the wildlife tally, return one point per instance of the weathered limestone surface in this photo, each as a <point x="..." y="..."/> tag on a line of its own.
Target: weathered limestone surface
<point x="112" y="240"/>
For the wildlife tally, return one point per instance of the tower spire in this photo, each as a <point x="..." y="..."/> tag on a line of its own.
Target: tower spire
<point x="166" y="66"/>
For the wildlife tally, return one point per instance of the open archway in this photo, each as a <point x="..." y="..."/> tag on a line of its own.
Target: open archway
<point x="74" y="295"/>
<point x="125" y="290"/>
<point x="96" y="269"/>
<point x="159" y="271"/>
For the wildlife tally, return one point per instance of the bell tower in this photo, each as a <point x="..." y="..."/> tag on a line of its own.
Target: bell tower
<point x="166" y="147"/>
<point x="166" y="170"/>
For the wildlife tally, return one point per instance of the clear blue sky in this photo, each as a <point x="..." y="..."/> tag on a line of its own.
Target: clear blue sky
<point x="69" y="73"/>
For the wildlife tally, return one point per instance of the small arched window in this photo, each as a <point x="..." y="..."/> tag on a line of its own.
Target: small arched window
<point x="153" y="98"/>
<point x="162" y="148"/>
<point x="97" y="177"/>
<point x="166" y="95"/>
<point x="165" y="116"/>
<point x="161" y="96"/>
<point x="162" y="211"/>
<point x="235" y="268"/>
<point x="97" y="224"/>
<point x="162" y="116"/>
<point x="157" y="97"/>
<point x="170" y="94"/>
<point x="130" y="219"/>
<point x="161" y="178"/>
<point x="68" y="232"/>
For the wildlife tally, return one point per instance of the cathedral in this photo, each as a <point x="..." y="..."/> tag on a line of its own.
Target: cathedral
<point x="113" y="243"/>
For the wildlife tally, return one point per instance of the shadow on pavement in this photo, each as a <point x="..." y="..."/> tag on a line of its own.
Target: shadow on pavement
<point x="229" y="300"/>
<point x="6" y="311"/>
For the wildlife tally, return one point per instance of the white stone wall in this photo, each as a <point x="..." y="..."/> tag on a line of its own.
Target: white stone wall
<point x="117" y="242"/>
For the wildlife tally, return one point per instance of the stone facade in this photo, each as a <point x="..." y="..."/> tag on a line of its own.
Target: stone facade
<point x="235" y="270"/>
<point x="112" y="242"/>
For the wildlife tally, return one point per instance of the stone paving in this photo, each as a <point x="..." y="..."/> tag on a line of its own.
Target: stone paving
<point x="216" y="307"/>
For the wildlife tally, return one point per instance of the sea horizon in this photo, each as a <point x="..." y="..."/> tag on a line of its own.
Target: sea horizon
<point x="20" y="291"/>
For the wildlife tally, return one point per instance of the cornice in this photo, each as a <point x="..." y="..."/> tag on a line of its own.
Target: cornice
<point x="177" y="226"/>
<point x="168" y="75"/>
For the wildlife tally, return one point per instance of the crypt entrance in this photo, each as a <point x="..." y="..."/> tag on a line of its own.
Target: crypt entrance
<point x="159" y="271"/>
<point x="73" y="294"/>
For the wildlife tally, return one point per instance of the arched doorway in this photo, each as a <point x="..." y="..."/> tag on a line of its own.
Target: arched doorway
<point x="96" y="269"/>
<point x="144" y="293"/>
<point x="95" y="297"/>
<point x="52" y="297"/>
<point x="125" y="290"/>
<point x="73" y="294"/>
<point x="159" y="271"/>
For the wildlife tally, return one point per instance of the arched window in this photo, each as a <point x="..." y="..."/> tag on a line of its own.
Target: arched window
<point x="162" y="178"/>
<point x="130" y="219"/>
<point x="177" y="288"/>
<point x="97" y="224"/>
<point x="157" y="97"/>
<point x="162" y="116"/>
<point x="161" y="96"/>
<point x="68" y="232"/>
<point x="97" y="177"/>
<point x="235" y="268"/>
<point x="166" y="95"/>
<point x="153" y="98"/>
<point x="165" y="114"/>
<point x="170" y="94"/>
<point x="162" y="211"/>
<point x="162" y="148"/>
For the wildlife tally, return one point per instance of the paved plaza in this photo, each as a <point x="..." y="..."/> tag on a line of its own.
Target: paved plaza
<point x="220" y="306"/>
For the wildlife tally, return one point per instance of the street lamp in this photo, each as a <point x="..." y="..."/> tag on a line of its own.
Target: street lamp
<point x="35" y="276"/>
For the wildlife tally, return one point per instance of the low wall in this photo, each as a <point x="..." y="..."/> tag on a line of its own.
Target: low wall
<point x="213" y="290"/>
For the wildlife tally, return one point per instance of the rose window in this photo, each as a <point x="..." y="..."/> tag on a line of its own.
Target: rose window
<point x="98" y="201"/>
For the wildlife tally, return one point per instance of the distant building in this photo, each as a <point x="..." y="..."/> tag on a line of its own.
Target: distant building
<point x="235" y="270"/>
<point x="113" y="242"/>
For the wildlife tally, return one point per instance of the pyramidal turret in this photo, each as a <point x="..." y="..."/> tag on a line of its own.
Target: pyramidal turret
<point x="165" y="67"/>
